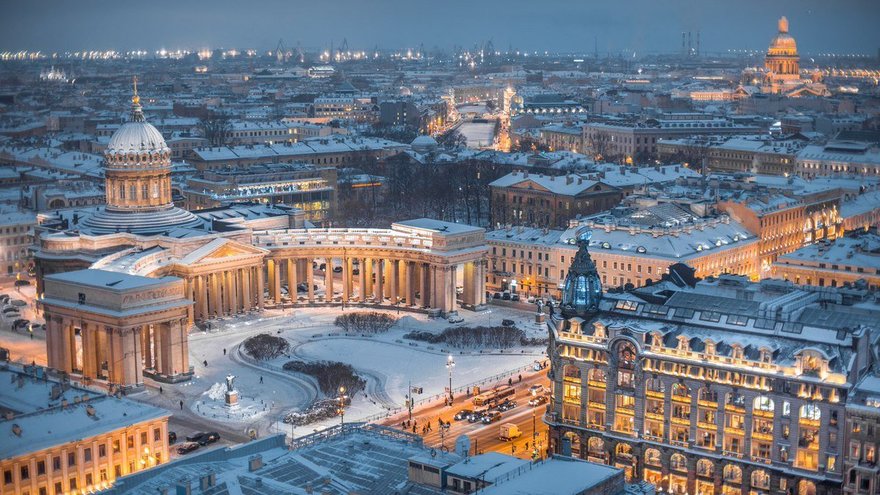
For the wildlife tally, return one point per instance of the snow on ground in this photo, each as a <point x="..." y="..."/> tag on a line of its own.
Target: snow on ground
<point x="478" y="134"/>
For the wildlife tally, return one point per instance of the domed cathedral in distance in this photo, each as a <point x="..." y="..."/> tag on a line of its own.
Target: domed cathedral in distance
<point x="137" y="176"/>
<point x="582" y="289"/>
<point x="782" y="61"/>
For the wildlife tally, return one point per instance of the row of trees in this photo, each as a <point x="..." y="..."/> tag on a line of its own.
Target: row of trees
<point x="365" y="322"/>
<point x="471" y="337"/>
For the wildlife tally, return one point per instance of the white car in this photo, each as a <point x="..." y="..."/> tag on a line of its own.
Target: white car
<point x="455" y="319"/>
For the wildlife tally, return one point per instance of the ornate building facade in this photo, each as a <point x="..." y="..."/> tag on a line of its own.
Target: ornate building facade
<point x="715" y="387"/>
<point x="121" y="292"/>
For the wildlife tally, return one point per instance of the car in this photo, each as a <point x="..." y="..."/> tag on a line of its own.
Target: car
<point x="196" y="436"/>
<point x="507" y="323"/>
<point x="463" y="414"/>
<point x="20" y="323"/>
<point x="4" y="298"/>
<point x="536" y="390"/>
<point x="475" y="416"/>
<point x="455" y="319"/>
<point x="505" y="296"/>
<point x="337" y="269"/>
<point x="491" y="417"/>
<point x="209" y="438"/>
<point x="537" y="366"/>
<point x="186" y="448"/>
<point x="514" y="297"/>
<point x="18" y="302"/>
<point x="507" y="405"/>
<point x="497" y="295"/>
<point x="537" y="401"/>
<point x="172" y="437"/>
<point x="21" y="283"/>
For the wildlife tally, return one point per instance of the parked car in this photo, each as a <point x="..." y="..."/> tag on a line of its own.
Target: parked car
<point x="514" y="297"/>
<point x="491" y="417"/>
<point x="22" y="282"/>
<point x="507" y="323"/>
<point x="18" y="302"/>
<point x="537" y="401"/>
<point x="455" y="319"/>
<point x="186" y="448"/>
<point x="209" y="438"/>
<point x="196" y="436"/>
<point x="536" y="390"/>
<point x="20" y="323"/>
<point x="462" y="415"/>
<point x="506" y="296"/>
<point x="497" y="295"/>
<point x="507" y="405"/>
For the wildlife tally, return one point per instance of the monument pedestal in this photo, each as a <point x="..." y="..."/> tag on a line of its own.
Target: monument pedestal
<point x="232" y="397"/>
<point x="539" y="318"/>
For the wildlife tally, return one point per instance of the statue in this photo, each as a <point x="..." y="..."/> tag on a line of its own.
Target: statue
<point x="230" y="383"/>
<point x="540" y="304"/>
<point x="231" y="394"/>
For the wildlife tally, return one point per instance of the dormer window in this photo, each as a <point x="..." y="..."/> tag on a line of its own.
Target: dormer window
<point x="766" y="355"/>
<point x="736" y="351"/>
<point x="683" y="343"/>
<point x="811" y="364"/>
<point x="710" y="348"/>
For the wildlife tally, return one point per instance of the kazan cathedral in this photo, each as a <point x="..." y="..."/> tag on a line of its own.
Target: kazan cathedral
<point x="122" y="285"/>
<point x="719" y="386"/>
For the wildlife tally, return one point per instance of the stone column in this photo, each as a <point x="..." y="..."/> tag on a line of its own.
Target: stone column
<point x="328" y="279"/>
<point x="407" y="282"/>
<point x="395" y="279"/>
<point x="235" y="292"/>
<point x="450" y="280"/>
<point x="131" y="352"/>
<point x="114" y="363"/>
<point x="261" y="283"/>
<point x="367" y="270"/>
<point x="184" y="349"/>
<point x="468" y="296"/>
<point x="291" y="279"/>
<point x="310" y="279"/>
<point x="346" y="279"/>
<point x="380" y="275"/>
<point x="202" y="297"/>
<point x="89" y="343"/>
<point x="275" y="281"/>
<point x="362" y="280"/>
<point x="424" y="276"/>
<point x="69" y="345"/>
<point x="387" y="282"/>
<point x="216" y="303"/>
<point x="147" y="346"/>
<point x="226" y="278"/>
<point x="246" y="292"/>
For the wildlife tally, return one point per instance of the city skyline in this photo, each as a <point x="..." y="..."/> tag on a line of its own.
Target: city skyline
<point x="821" y="27"/>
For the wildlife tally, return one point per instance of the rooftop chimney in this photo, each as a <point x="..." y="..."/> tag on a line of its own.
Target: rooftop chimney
<point x="16" y="430"/>
<point x="255" y="462"/>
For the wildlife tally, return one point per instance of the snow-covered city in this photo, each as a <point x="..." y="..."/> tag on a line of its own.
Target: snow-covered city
<point x="501" y="248"/>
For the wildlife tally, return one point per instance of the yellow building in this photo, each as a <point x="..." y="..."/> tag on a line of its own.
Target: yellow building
<point x="59" y="439"/>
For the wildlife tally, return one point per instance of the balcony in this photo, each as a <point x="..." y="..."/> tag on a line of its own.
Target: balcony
<point x="657" y="394"/>
<point x="654" y="416"/>
<point x="708" y="403"/>
<point x="732" y="453"/>
<point x="681" y="421"/>
<point x="684" y="399"/>
<point x="762" y="436"/>
<point x="678" y="443"/>
<point x="707" y="426"/>
<point x="596" y="384"/>
<point x="763" y="460"/>
<point x="597" y="405"/>
<point x="653" y="436"/>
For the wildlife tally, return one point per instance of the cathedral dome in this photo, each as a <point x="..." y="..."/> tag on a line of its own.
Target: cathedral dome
<point x="423" y="144"/>
<point x="136" y="136"/>
<point x="783" y="43"/>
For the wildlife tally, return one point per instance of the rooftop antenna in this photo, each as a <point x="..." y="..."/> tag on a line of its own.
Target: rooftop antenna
<point x="698" y="43"/>
<point x="596" y="47"/>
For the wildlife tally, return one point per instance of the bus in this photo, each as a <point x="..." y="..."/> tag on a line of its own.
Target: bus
<point x="494" y="395"/>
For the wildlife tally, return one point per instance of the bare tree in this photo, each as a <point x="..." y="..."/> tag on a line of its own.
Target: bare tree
<point x="215" y="129"/>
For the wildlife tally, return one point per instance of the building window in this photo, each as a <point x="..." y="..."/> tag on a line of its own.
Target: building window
<point x="41" y="468"/>
<point x="7" y="476"/>
<point x="71" y="459"/>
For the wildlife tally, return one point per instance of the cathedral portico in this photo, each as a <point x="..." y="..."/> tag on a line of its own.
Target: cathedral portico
<point x="115" y="327"/>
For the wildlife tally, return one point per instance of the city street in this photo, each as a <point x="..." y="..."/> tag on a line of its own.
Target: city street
<point x="484" y="437"/>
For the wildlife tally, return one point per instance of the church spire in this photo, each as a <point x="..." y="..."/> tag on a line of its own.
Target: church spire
<point x="137" y="112"/>
<point x="583" y="288"/>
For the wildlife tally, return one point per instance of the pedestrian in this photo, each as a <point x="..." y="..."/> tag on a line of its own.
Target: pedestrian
<point x="261" y="378"/>
<point x="414" y="428"/>
<point x="527" y="445"/>
<point x="205" y="362"/>
<point x="224" y="351"/>
<point x="509" y="382"/>
<point x="181" y="405"/>
<point x="160" y="389"/>
<point x="519" y="378"/>
<point x="513" y="449"/>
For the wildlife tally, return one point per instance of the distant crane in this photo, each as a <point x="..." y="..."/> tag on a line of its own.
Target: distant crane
<point x="282" y="54"/>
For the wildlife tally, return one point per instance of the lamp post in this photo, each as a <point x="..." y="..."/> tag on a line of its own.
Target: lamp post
<point x="341" y="407"/>
<point x="534" y="434"/>
<point x="450" y="363"/>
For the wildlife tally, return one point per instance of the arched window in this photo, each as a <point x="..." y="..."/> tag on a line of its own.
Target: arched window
<point x="760" y="479"/>
<point x="735" y="399"/>
<point x="706" y="468"/>
<point x="624" y="450"/>
<point x="763" y="403"/>
<point x="811" y="412"/>
<point x="708" y="395"/>
<point x="680" y="390"/>
<point x="654" y="385"/>
<point x="571" y="372"/>
<point x="678" y="462"/>
<point x="653" y="458"/>
<point x="732" y="473"/>
<point x="596" y="445"/>
<point x="597" y="375"/>
<point x="626" y="355"/>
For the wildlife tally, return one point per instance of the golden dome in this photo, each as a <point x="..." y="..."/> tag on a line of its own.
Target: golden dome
<point x="783" y="43"/>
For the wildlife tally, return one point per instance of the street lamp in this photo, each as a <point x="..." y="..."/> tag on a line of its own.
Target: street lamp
<point x="341" y="406"/>
<point x="534" y="434"/>
<point x="450" y="363"/>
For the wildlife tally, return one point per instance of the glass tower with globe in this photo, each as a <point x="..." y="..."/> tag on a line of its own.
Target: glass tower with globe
<point x="583" y="288"/>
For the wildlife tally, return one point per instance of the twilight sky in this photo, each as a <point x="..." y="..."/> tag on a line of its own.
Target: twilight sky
<point x="842" y="26"/>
